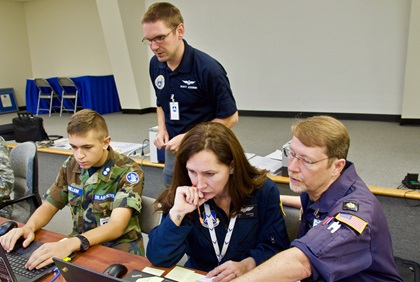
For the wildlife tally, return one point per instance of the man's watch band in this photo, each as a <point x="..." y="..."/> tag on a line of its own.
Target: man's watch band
<point x="84" y="245"/>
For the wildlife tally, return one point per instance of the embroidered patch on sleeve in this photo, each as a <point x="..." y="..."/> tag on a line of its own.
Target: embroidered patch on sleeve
<point x="351" y="206"/>
<point x="353" y="221"/>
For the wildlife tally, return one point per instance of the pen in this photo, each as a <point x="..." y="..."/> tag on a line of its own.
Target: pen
<point x="199" y="215"/>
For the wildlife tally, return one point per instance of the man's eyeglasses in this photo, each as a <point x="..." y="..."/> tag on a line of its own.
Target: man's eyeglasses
<point x="303" y="160"/>
<point x="158" y="39"/>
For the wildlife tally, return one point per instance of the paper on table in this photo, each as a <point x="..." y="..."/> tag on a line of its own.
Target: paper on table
<point x="154" y="271"/>
<point x="150" y="279"/>
<point x="276" y="155"/>
<point x="273" y="166"/>
<point x="249" y="155"/>
<point x="183" y="275"/>
<point x="124" y="148"/>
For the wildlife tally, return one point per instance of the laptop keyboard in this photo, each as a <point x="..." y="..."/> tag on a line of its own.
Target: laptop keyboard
<point x="18" y="265"/>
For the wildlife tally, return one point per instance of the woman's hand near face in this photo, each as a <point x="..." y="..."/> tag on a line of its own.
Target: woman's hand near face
<point x="187" y="198"/>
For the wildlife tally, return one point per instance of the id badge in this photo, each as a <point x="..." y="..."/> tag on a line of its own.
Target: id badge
<point x="104" y="220"/>
<point x="174" y="110"/>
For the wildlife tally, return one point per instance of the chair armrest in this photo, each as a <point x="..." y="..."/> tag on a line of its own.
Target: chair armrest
<point x="12" y="202"/>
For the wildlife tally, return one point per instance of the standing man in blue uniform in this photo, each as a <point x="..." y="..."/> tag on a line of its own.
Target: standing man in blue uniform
<point x="191" y="87"/>
<point x="343" y="234"/>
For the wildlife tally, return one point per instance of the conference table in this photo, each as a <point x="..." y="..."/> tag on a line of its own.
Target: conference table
<point x="98" y="257"/>
<point x="98" y="93"/>
<point x="381" y="191"/>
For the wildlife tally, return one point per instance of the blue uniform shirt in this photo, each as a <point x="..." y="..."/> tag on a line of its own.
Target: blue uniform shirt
<point x="346" y="254"/>
<point x="260" y="236"/>
<point x="200" y="86"/>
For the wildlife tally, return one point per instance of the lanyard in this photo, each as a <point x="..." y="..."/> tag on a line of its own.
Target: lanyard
<point x="232" y="221"/>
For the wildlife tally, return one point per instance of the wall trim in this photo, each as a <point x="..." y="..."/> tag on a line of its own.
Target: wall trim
<point x="409" y="121"/>
<point x="139" y="111"/>
<point x="342" y="116"/>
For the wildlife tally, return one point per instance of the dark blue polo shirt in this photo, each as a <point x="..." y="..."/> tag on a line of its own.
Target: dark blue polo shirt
<point x="345" y="254"/>
<point x="199" y="85"/>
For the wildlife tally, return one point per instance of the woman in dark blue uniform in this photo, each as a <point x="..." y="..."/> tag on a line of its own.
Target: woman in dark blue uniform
<point x="220" y="211"/>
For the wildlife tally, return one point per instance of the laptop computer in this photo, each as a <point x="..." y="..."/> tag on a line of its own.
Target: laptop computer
<point x="74" y="272"/>
<point x="12" y="265"/>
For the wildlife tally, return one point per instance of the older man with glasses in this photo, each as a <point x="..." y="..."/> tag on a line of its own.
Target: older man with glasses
<point x="343" y="234"/>
<point x="191" y="87"/>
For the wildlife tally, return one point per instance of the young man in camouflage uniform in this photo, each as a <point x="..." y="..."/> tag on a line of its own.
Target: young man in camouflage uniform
<point x="103" y="190"/>
<point x="7" y="178"/>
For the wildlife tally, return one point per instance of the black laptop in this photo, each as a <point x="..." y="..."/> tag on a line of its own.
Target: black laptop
<point x="74" y="272"/>
<point x="12" y="265"/>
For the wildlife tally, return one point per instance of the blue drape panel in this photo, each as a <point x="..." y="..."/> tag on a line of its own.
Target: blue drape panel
<point x="98" y="93"/>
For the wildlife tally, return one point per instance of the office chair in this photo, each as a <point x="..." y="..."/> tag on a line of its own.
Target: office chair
<point x="149" y="219"/>
<point x="25" y="195"/>
<point x="45" y="91"/>
<point x="69" y="91"/>
<point x="292" y="221"/>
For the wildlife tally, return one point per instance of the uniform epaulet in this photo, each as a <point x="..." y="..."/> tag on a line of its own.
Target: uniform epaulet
<point x="353" y="221"/>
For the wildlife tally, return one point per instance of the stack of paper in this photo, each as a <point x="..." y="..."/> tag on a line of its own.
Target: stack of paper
<point x="128" y="149"/>
<point x="272" y="165"/>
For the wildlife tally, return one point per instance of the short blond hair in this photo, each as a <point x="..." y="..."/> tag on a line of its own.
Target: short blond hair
<point x="86" y="120"/>
<point x="320" y="131"/>
<point x="164" y="11"/>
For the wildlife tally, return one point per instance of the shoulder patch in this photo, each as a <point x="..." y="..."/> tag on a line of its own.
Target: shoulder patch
<point x="132" y="177"/>
<point x="351" y="206"/>
<point x="353" y="221"/>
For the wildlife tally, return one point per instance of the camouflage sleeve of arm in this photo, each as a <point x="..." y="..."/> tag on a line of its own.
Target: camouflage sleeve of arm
<point x="57" y="194"/>
<point x="7" y="177"/>
<point x="130" y="188"/>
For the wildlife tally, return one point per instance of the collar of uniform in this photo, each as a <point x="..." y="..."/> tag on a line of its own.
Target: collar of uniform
<point x="337" y="190"/>
<point x="186" y="62"/>
<point x="105" y="172"/>
<point x="100" y="172"/>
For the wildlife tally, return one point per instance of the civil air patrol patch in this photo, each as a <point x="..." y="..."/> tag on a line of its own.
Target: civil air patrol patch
<point x="160" y="82"/>
<point x="211" y="217"/>
<point x="132" y="177"/>
<point x="353" y="221"/>
<point x="351" y="206"/>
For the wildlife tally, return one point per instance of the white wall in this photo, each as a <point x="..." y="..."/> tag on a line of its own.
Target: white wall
<point x="325" y="55"/>
<point x="15" y="64"/>
<point x="66" y="38"/>
<point x="411" y="99"/>
<point x="121" y="26"/>
<point x="280" y="55"/>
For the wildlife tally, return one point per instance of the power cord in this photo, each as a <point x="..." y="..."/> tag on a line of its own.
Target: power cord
<point x="144" y="146"/>
<point x="57" y="274"/>
<point x="404" y="186"/>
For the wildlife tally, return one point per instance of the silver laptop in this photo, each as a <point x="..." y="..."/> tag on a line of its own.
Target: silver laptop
<point x="12" y="265"/>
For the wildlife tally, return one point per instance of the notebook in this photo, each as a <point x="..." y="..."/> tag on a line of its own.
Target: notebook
<point x="12" y="265"/>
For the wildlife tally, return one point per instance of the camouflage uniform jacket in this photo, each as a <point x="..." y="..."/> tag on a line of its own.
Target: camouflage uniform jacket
<point x="118" y="183"/>
<point x="7" y="178"/>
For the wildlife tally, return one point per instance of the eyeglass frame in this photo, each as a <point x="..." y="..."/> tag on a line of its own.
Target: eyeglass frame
<point x="161" y="38"/>
<point x="303" y="160"/>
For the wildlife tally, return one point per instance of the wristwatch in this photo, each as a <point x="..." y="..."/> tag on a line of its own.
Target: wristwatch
<point x="84" y="245"/>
